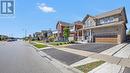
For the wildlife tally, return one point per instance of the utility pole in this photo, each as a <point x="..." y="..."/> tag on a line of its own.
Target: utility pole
<point x="25" y="31"/>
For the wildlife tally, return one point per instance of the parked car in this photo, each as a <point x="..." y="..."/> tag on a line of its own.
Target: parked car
<point x="10" y="40"/>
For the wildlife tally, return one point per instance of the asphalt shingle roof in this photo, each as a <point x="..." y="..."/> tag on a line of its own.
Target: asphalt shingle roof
<point x="105" y="14"/>
<point x="109" y="13"/>
<point x="65" y="23"/>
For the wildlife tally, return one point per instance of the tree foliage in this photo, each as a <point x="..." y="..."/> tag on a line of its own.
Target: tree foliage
<point x="66" y="32"/>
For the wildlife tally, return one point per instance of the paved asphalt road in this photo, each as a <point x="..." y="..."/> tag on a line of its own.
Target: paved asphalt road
<point x="62" y="56"/>
<point x="92" y="47"/>
<point x="19" y="57"/>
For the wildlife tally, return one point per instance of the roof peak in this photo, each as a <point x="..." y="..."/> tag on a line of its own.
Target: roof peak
<point x="105" y="14"/>
<point x="112" y="12"/>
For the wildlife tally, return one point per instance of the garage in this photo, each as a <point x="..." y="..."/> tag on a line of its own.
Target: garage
<point x="106" y="39"/>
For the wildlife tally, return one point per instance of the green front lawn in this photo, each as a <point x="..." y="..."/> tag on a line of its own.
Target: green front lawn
<point x="40" y="45"/>
<point x="58" y="43"/>
<point x="88" y="67"/>
<point x="61" y="43"/>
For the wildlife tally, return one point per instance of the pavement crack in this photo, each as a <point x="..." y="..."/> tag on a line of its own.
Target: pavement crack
<point x="119" y="61"/>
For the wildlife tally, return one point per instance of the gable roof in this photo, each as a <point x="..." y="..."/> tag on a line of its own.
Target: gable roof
<point x="108" y="13"/>
<point x="86" y="17"/>
<point x="78" y="22"/>
<point x="46" y="31"/>
<point x="37" y="33"/>
<point x="63" y="23"/>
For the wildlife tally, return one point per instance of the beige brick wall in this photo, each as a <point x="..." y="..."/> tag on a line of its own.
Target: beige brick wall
<point x="105" y="30"/>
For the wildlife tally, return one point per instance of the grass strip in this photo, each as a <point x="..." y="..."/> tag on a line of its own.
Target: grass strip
<point x="40" y="45"/>
<point x="88" y="67"/>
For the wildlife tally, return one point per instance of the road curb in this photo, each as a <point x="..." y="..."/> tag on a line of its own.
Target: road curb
<point x="55" y="62"/>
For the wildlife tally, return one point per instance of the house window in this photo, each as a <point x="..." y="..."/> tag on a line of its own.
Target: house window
<point x="102" y="21"/>
<point x="111" y="19"/>
<point x="89" y="23"/>
<point x="107" y="20"/>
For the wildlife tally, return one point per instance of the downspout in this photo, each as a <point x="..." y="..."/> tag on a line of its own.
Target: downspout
<point x="83" y="33"/>
<point x="90" y="36"/>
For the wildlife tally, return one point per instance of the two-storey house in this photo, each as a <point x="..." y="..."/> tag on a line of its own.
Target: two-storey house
<point x="107" y="27"/>
<point x="74" y="27"/>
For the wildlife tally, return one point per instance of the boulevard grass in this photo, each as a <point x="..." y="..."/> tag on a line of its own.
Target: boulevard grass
<point x="40" y="45"/>
<point x="88" y="67"/>
<point x="61" y="43"/>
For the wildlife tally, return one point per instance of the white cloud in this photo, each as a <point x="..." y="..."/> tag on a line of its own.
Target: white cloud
<point x="45" y="8"/>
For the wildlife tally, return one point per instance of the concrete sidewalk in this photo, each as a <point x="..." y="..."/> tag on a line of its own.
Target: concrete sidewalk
<point x="108" y="68"/>
<point x="114" y="49"/>
<point x="124" y="53"/>
<point x="110" y="52"/>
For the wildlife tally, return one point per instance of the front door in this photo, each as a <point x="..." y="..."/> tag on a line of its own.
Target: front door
<point x="88" y="36"/>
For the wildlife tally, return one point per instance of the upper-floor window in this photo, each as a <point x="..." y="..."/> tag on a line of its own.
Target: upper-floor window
<point x="89" y="23"/>
<point x="107" y="20"/>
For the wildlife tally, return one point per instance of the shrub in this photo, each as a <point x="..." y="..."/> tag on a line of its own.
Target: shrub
<point x="60" y="43"/>
<point x="57" y="44"/>
<point x="72" y="42"/>
<point x="65" y="43"/>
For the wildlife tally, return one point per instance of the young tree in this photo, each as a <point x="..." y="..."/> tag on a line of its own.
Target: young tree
<point x="66" y="33"/>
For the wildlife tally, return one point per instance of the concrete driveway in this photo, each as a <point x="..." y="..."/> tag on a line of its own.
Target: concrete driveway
<point x="92" y="47"/>
<point x="126" y="70"/>
<point x="62" y="56"/>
